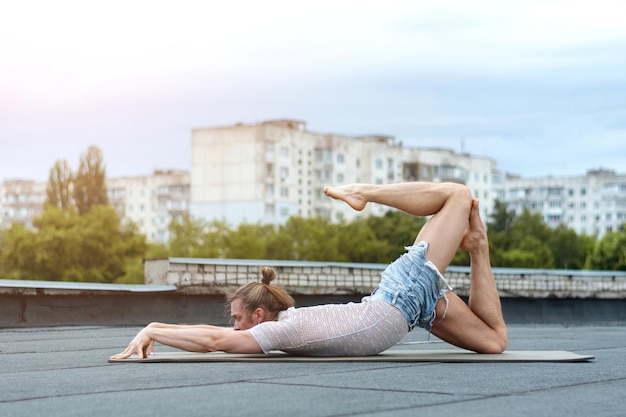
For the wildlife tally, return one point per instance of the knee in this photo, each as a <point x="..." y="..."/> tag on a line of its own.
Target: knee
<point x="497" y="344"/>
<point x="460" y="192"/>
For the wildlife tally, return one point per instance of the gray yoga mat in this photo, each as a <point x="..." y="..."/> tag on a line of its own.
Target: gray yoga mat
<point x="395" y="355"/>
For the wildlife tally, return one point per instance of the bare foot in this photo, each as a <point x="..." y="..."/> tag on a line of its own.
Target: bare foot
<point x="475" y="237"/>
<point x="349" y="194"/>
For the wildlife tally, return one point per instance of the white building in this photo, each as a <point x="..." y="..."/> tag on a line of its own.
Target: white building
<point x="269" y="171"/>
<point x="21" y="201"/>
<point x="150" y="201"/>
<point x="593" y="204"/>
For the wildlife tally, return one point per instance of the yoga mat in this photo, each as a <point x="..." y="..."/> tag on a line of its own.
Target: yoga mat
<point x="395" y="355"/>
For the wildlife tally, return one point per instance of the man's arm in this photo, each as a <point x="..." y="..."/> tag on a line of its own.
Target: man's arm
<point x="193" y="338"/>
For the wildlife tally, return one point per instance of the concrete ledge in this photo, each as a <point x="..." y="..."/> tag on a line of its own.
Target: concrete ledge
<point x="8" y="286"/>
<point x="141" y="308"/>
<point x="216" y="276"/>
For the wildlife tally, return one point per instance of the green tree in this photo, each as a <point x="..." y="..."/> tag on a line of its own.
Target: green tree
<point x="609" y="253"/>
<point x="59" y="189"/>
<point x="248" y="241"/>
<point x="280" y="245"/>
<point x="358" y="243"/>
<point x="570" y="250"/>
<point x="134" y="267"/>
<point x="196" y="238"/>
<point x="185" y="236"/>
<point x="524" y="244"/>
<point x="397" y="230"/>
<point x="90" y="181"/>
<point x="530" y="253"/>
<point x="313" y="239"/>
<point x="502" y="219"/>
<point x="50" y="252"/>
<point x="69" y="247"/>
<point x="498" y="225"/>
<point x="106" y="244"/>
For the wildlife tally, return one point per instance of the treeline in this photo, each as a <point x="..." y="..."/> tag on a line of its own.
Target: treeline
<point x="79" y="237"/>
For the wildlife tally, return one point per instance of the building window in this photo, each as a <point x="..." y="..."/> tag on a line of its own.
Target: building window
<point x="340" y="158"/>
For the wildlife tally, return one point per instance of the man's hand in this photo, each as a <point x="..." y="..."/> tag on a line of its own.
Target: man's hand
<point x="142" y="345"/>
<point x="475" y="238"/>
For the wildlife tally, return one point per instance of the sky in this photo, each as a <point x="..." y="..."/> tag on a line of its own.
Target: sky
<point x="537" y="85"/>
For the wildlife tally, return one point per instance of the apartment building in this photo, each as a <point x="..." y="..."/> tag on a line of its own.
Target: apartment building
<point x="269" y="171"/>
<point x="21" y="201"/>
<point x="593" y="204"/>
<point x="150" y="201"/>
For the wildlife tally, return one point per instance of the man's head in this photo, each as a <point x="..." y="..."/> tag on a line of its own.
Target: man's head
<point x="257" y="302"/>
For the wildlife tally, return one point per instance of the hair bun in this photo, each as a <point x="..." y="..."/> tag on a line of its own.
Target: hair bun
<point x="269" y="274"/>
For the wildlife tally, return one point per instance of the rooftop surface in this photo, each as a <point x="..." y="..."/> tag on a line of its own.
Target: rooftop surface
<point x="63" y="371"/>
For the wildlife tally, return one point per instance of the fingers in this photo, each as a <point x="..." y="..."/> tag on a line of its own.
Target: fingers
<point x="123" y="355"/>
<point x="142" y="346"/>
<point x="136" y="349"/>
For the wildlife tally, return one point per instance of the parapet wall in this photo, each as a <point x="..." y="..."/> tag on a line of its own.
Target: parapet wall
<point x="217" y="276"/>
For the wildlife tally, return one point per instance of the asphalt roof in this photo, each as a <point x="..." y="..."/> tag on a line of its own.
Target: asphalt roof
<point x="63" y="371"/>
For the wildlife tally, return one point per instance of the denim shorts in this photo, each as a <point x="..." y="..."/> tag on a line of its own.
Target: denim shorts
<point x="413" y="284"/>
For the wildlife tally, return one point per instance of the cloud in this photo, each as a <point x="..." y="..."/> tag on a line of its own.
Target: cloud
<point x="508" y="79"/>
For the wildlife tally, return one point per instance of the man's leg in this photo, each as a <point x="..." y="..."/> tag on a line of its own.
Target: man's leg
<point x="479" y="326"/>
<point x="448" y="204"/>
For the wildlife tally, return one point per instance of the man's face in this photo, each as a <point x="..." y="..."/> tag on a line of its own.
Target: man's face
<point x="243" y="319"/>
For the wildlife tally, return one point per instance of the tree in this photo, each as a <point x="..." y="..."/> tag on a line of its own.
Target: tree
<point x="69" y="247"/>
<point x="569" y="249"/>
<point x="359" y="243"/>
<point x="248" y="241"/>
<point x="59" y="189"/>
<point x="530" y="253"/>
<point x="195" y="238"/>
<point x="397" y="230"/>
<point x="609" y="253"/>
<point x="90" y="181"/>
<point x="312" y="239"/>
<point x="280" y="245"/>
<point x="524" y="244"/>
<point x="501" y="220"/>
